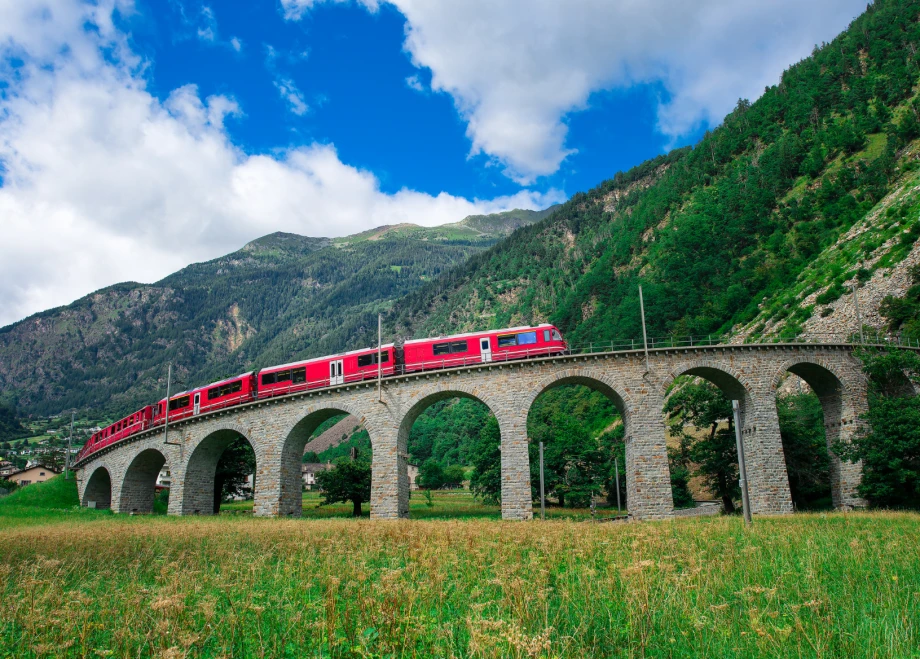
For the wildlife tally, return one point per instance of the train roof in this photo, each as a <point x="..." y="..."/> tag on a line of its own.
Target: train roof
<point x="480" y="333"/>
<point x="319" y="359"/>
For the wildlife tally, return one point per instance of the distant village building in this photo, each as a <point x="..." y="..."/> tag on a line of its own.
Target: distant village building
<point x="308" y="471"/>
<point x="29" y="475"/>
<point x="6" y="468"/>
<point x="164" y="478"/>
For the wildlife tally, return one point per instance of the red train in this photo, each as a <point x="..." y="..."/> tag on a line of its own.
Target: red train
<point x="416" y="355"/>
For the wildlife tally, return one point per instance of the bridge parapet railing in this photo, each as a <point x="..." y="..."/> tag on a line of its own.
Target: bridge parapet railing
<point x="714" y="340"/>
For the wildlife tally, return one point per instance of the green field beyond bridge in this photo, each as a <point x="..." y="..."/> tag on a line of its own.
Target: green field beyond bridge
<point x="82" y="583"/>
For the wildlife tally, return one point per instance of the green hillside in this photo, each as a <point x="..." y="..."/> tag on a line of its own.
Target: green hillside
<point x="713" y="230"/>
<point x="281" y="297"/>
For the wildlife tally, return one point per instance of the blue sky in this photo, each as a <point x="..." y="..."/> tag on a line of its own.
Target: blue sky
<point x="138" y="136"/>
<point x="350" y="69"/>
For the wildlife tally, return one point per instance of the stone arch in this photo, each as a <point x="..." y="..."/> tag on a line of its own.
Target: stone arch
<point x="768" y="482"/>
<point x="98" y="491"/>
<point x="617" y="394"/>
<point x="732" y="382"/>
<point x="428" y="396"/>
<point x="648" y="490"/>
<point x="841" y="406"/>
<point x="198" y="479"/>
<point x="138" y="484"/>
<point x="296" y="437"/>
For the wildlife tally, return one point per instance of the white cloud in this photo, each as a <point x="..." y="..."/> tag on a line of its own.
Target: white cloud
<point x="295" y="9"/>
<point x="516" y="68"/>
<point x="413" y="82"/>
<point x="292" y="95"/>
<point x="236" y="44"/>
<point x="104" y="183"/>
<point x="208" y="30"/>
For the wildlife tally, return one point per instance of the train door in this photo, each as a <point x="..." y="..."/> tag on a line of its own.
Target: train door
<point x="485" y="349"/>
<point x="197" y="403"/>
<point x="335" y="372"/>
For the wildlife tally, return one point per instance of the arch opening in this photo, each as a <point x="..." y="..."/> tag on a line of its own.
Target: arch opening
<point x="810" y="407"/>
<point x="702" y="446"/>
<point x="222" y="468"/>
<point x="98" y="492"/>
<point x="311" y="447"/>
<point x="138" y="490"/>
<point x="582" y="424"/>
<point x="451" y="443"/>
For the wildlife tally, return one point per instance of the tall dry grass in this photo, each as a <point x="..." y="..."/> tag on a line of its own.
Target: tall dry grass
<point x="805" y="586"/>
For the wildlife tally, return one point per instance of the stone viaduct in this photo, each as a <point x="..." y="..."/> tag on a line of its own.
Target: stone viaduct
<point x="122" y="476"/>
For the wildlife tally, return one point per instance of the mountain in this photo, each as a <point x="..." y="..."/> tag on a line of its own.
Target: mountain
<point x="278" y="298"/>
<point x="750" y="225"/>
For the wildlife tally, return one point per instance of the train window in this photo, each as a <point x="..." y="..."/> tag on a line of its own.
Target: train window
<point x="300" y="374"/>
<point x="545" y="336"/>
<point x="507" y="340"/>
<point x="458" y="346"/>
<point x="213" y="392"/>
<point x="556" y="336"/>
<point x="385" y="357"/>
<point x="179" y="403"/>
<point x="527" y="338"/>
<point x="366" y="360"/>
<point x="441" y="349"/>
<point x="268" y="378"/>
<point x="283" y="376"/>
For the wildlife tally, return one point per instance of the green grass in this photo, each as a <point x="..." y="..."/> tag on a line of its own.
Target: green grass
<point x="809" y="585"/>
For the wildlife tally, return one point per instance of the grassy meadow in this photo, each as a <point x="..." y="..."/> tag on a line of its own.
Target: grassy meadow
<point x="81" y="583"/>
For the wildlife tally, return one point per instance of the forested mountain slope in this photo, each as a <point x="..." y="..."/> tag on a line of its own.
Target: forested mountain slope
<point x="711" y="231"/>
<point x="279" y="298"/>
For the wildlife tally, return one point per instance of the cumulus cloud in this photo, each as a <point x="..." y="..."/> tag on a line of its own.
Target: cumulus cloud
<point x="413" y="82"/>
<point x="102" y="182"/>
<point x="516" y="68"/>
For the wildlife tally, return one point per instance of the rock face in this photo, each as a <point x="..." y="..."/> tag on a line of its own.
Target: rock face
<point x="333" y="436"/>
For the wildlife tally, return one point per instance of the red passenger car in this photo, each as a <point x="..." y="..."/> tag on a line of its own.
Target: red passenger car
<point x="232" y="391"/>
<point x="482" y="347"/>
<point x="131" y="424"/>
<point x="351" y="366"/>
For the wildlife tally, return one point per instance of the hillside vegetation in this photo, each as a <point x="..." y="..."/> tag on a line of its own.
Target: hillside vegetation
<point x="715" y="230"/>
<point x="280" y="298"/>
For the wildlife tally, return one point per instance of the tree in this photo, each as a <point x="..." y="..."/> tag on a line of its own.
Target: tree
<point x="454" y="475"/>
<point x="430" y="475"/>
<point x="889" y="446"/>
<point x="236" y="464"/>
<point x="486" y="481"/>
<point x="715" y="455"/>
<point x="310" y="456"/>
<point x="348" y="480"/>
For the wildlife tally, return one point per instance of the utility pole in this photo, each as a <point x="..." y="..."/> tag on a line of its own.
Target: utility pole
<point x="379" y="355"/>
<point x="742" y="465"/>
<point x="166" y="426"/>
<point x="616" y="471"/>
<point x="542" y="492"/>
<point x="644" y="335"/>
<point x="858" y="318"/>
<point x="69" y="445"/>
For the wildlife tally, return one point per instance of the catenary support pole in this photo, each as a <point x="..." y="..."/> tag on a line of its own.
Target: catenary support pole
<point x="542" y="491"/>
<point x="742" y="465"/>
<point x="616" y="471"/>
<point x="69" y="445"/>
<point x="644" y="334"/>
<point x="379" y="355"/>
<point x="166" y="422"/>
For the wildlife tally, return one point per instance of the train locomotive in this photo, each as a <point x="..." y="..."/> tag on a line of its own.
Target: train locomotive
<point x="414" y="355"/>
